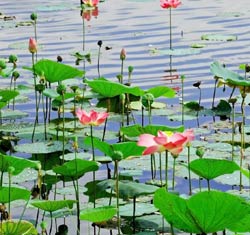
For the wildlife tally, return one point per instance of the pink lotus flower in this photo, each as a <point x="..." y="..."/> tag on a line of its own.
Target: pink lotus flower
<point x="170" y="3"/>
<point x="92" y="118"/>
<point x="173" y="142"/>
<point x="87" y="15"/>
<point x="32" y="45"/>
<point x="189" y="133"/>
<point x="123" y="54"/>
<point x="90" y="3"/>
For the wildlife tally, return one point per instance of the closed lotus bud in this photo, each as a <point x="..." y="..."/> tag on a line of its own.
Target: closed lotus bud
<point x="32" y="46"/>
<point x="130" y="69"/>
<point x="15" y="75"/>
<point x="200" y="152"/>
<point x="61" y="89"/>
<point x="117" y="156"/>
<point x="33" y="16"/>
<point x="147" y="100"/>
<point x="123" y="54"/>
<point x="43" y="225"/>
<point x="13" y="59"/>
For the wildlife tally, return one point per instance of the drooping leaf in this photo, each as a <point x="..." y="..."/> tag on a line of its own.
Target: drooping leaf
<point x="209" y="168"/>
<point x="6" y="96"/>
<point x="159" y="91"/>
<point x="99" y="214"/>
<point x="76" y="168"/>
<point x="51" y="206"/>
<point x="111" y="89"/>
<point x="9" y="194"/>
<point x="14" y="227"/>
<point x="18" y="164"/>
<point x="56" y="72"/>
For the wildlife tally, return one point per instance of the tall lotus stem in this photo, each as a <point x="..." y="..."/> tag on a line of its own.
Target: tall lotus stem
<point x="93" y="159"/>
<point x="173" y="176"/>
<point x="233" y="101"/>
<point x="166" y="170"/>
<point x="117" y="196"/>
<point x="182" y="99"/>
<point x="99" y="43"/>
<point x="215" y="87"/>
<point x="189" y="172"/>
<point x="122" y="58"/>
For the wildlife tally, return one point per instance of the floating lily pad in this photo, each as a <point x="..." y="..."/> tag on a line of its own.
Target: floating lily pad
<point x="198" y="45"/>
<point x="140" y="209"/>
<point x="180" y="52"/>
<point x="218" y="37"/>
<point x="41" y="147"/>
<point x="70" y="190"/>
<point x="13" y="114"/>
<point x="137" y="105"/>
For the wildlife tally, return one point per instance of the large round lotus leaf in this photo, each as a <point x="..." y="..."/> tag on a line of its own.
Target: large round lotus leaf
<point x="9" y="194"/>
<point x="14" y="227"/>
<point x="180" y="52"/>
<point x="212" y="168"/>
<point x="204" y="212"/>
<point x="51" y="206"/>
<point x="98" y="214"/>
<point x="140" y="209"/>
<point x="72" y="156"/>
<point x="75" y="168"/>
<point x="137" y="105"/>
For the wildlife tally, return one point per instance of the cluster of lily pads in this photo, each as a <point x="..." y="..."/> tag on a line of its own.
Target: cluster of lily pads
<point x="82" y="127"/>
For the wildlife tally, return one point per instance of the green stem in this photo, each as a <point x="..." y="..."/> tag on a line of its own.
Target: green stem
<point x="160" y="169"/>
<point x="122" y="65"/>
<point x="208" y="185"/>
<point x="166" y="170"/>
<point x="117" y="197"/>
<point x="233" y="131"/>
<point x="173" y="177"/>
<point x="134" y="209"/>
<point x="189" y="172"/>
<point x="93" y="159"/>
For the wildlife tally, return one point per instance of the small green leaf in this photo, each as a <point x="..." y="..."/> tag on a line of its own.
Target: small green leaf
<point x="51" y="206"/>
<point x="99" y="214"/>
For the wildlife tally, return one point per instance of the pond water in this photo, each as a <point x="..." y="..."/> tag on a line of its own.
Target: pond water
<point x="142" y="29"/>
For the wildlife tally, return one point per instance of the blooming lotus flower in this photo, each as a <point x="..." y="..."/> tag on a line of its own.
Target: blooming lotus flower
<point x="90" y="3"/>
<point x="189" y="133"/>
<point x="172" y="142"/>
<point x="92" y="118"/>
<point x="170" y="3"/>
<point x="87" y="14"/>
<point x="32" y="45"/>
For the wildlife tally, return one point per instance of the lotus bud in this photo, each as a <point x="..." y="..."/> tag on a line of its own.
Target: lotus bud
<point x="15" y="75"/>
<point x="11" y="170"/>
<point x="13" y="59"/>
<point x="32" y="46"/>
<point x="130" y="69"/>
<point x="117" y="156"/>
<point x="200" y="152"/>
<point x="61" y="89"/>
<point x="99" y="43"/>
<point x="123" y="54"/>
<point x="33" y="16"/>
<point x="147" y="100"/>
<point x="43" y="225"/>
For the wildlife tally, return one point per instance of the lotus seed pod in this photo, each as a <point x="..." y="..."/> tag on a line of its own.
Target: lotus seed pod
<point x="147" y="100"/>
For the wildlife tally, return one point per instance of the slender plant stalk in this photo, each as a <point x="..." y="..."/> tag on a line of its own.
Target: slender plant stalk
<point x="189" y="172"/>
<point x="173" y="176"/>
<point x="160" y="163"/>
<point x="134" y="209"/>
<point x="182" y="99"/>
<point x="214" y="93"/>
<point x="233" y="130"/>
<point x="166" y="170"/>
<point x="117" y="196"/>
<point x="93" y="159"/>
<point x="208" y="185"/>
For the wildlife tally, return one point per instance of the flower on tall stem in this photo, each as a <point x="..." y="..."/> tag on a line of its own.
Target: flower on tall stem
<point x="170" y="3"/>
<point x="32" y="45"/>
<point x="92" y="118"/>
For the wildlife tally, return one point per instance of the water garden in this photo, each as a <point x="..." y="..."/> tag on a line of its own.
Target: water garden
<point x="127" y="118"/>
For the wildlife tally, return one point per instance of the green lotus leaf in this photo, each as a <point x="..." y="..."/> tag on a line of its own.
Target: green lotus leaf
<point x="204" y="212"/>
<point x="159" y="91"/>
<point x="9" y="194"/>
<point x="99" y="214"/>
<point x="18" y="164"/>
<point x="14" y="227"/>
<point x="136" y="130"/>
<point x="211" y="168"/>
<point x="111" y="89"/>
<point x="51" y="206"/>
<point x="76" y="168"/>
<point x="6" y="96"/>
<point x="56" y="72"/>
<point x="140" y="209"/>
